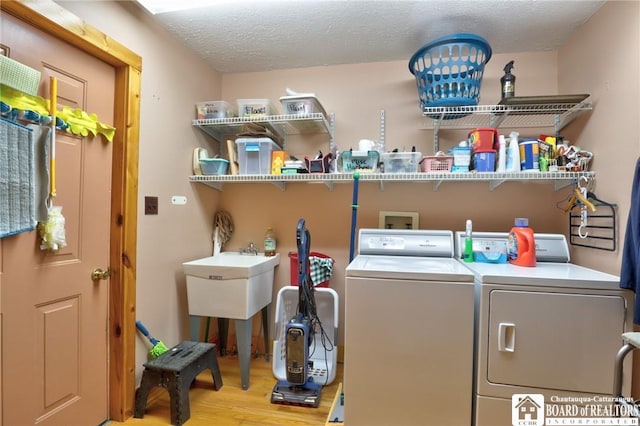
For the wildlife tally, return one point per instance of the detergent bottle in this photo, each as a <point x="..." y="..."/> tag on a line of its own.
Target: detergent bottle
<point x="521" y="246"/>
<point x="270" y="242"/>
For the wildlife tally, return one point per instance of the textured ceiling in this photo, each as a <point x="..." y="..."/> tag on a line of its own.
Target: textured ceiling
<point x="261" y="35"/>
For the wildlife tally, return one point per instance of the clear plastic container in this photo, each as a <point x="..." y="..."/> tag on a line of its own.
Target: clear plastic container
<point x="213" y="109"/>
<point x="254" y="155"/>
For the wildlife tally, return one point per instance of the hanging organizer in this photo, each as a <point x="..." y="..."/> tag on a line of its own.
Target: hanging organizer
<point x="593" y="228"/>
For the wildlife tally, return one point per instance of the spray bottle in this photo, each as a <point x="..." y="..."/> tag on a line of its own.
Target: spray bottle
<point x="513" y="153"/>
<point x="502" y="155"/>
<point x="508" y="82"/>
<point x="467" y="255"/>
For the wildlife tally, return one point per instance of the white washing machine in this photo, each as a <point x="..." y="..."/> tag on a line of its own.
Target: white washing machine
<point x="408" y="331"/>
<point x="553" y="329"/>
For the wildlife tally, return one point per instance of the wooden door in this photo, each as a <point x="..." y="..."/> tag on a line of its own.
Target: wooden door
<point x="54" y="317"/>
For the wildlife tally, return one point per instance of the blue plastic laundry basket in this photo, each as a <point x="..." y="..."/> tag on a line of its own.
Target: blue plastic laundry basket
<point x="449" y="70"/>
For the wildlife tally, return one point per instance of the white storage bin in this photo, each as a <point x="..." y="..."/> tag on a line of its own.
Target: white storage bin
<point x="325" y="362"/>
<point x="255" y="107"/>
<point x="297" y="105"/>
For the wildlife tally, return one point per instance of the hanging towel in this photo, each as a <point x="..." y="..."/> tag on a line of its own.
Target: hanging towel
<point x="17" y="207"/>
<point x="41" y="142"/>
<point x="320" y="269"/>
<point x="630" y="270"/>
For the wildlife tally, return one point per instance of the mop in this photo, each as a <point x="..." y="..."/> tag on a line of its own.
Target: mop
<point x="52" y="231"/>
<point x="158" y="347"/>
<point x="354" y="215"/>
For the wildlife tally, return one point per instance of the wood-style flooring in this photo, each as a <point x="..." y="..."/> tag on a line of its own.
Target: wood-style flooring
<point x="232" y="406"/>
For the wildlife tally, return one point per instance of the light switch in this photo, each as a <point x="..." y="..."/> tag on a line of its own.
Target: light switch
<point x="179" y="200"/>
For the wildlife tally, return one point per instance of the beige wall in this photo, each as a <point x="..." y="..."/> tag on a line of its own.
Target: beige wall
<point x="174" y="79"/>
<point x="356" y="94"/>
<point x="612" y="129"/>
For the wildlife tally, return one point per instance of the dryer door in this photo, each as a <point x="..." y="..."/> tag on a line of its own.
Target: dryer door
<point x="559" y="341"/>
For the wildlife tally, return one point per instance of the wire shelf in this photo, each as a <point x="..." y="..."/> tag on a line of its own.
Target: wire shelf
<point x="281" y="125"/>
<point x="560" y="179"/>
<point x="553" y="115"/>
<point x="540" y="115"/>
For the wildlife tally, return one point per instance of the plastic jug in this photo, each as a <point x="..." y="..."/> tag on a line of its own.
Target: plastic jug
<point x="521" y="246"/>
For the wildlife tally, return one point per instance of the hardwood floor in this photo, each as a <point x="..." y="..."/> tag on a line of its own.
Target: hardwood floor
<point x="232" y="406"/>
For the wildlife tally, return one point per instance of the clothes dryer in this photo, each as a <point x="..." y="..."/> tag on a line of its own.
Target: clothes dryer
<point x="550" y="331"/>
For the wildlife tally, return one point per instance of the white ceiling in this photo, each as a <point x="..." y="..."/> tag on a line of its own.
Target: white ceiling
<point x="260" y="35"/>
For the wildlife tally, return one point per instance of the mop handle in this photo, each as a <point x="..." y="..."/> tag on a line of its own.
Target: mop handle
<point x="53" y="88"/>
<point x="144" y="331"/>
<point x="354" y="214"/>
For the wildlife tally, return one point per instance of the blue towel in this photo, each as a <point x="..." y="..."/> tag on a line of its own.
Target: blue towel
<point x="17" y="186"/>
<point x="630" y="270"/>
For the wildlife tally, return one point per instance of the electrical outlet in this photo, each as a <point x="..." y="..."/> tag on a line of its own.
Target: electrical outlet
<point x="150" y="205"/>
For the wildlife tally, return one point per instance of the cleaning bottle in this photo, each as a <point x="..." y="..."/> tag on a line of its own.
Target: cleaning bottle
<point x="467" y="255"/>
<point x="513" y="153"/>
<point x="521" y="246"/>
<point x="270" y="242"/>
<point x="508" y="82"/>
<point x="502" y="154"/>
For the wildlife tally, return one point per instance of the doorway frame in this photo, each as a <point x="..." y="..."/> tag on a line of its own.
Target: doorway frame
<point x="53" y="19"/>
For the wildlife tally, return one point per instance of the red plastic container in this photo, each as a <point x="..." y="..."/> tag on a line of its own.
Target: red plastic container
<point x="483" y="139"/>
<point x="521" y="246"/>
<point x="293" y="256"/>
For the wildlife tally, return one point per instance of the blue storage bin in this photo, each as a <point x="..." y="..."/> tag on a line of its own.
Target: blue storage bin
<point x="214" y="166"/>
<point x="449" y="70"/>
<point x="485" y="161"/>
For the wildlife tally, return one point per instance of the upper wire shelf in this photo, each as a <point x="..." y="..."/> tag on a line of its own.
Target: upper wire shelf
<point x="555" y="115"/>
<point x="281" y="125"/>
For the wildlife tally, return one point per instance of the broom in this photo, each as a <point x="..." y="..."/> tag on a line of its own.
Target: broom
<point x="158" y="347"/>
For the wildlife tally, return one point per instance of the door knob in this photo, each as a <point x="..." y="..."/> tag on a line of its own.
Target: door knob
<point x="99" y="274"/>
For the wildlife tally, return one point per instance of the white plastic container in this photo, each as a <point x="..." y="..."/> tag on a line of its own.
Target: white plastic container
<point x="255" y="107"/>
<point x="213" y="109"/>
<point x="297" y="105"/>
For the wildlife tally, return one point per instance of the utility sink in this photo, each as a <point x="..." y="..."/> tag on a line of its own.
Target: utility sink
<point x="230" y="284"/>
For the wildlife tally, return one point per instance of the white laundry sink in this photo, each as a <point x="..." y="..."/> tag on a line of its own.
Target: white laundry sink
<point x="230" y="284"/>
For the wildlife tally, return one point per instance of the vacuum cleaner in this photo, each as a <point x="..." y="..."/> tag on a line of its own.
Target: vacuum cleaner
<point x="299" y="388"/>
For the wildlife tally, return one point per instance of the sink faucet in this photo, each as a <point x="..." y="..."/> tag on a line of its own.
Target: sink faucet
<point x="251" y="249"/>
